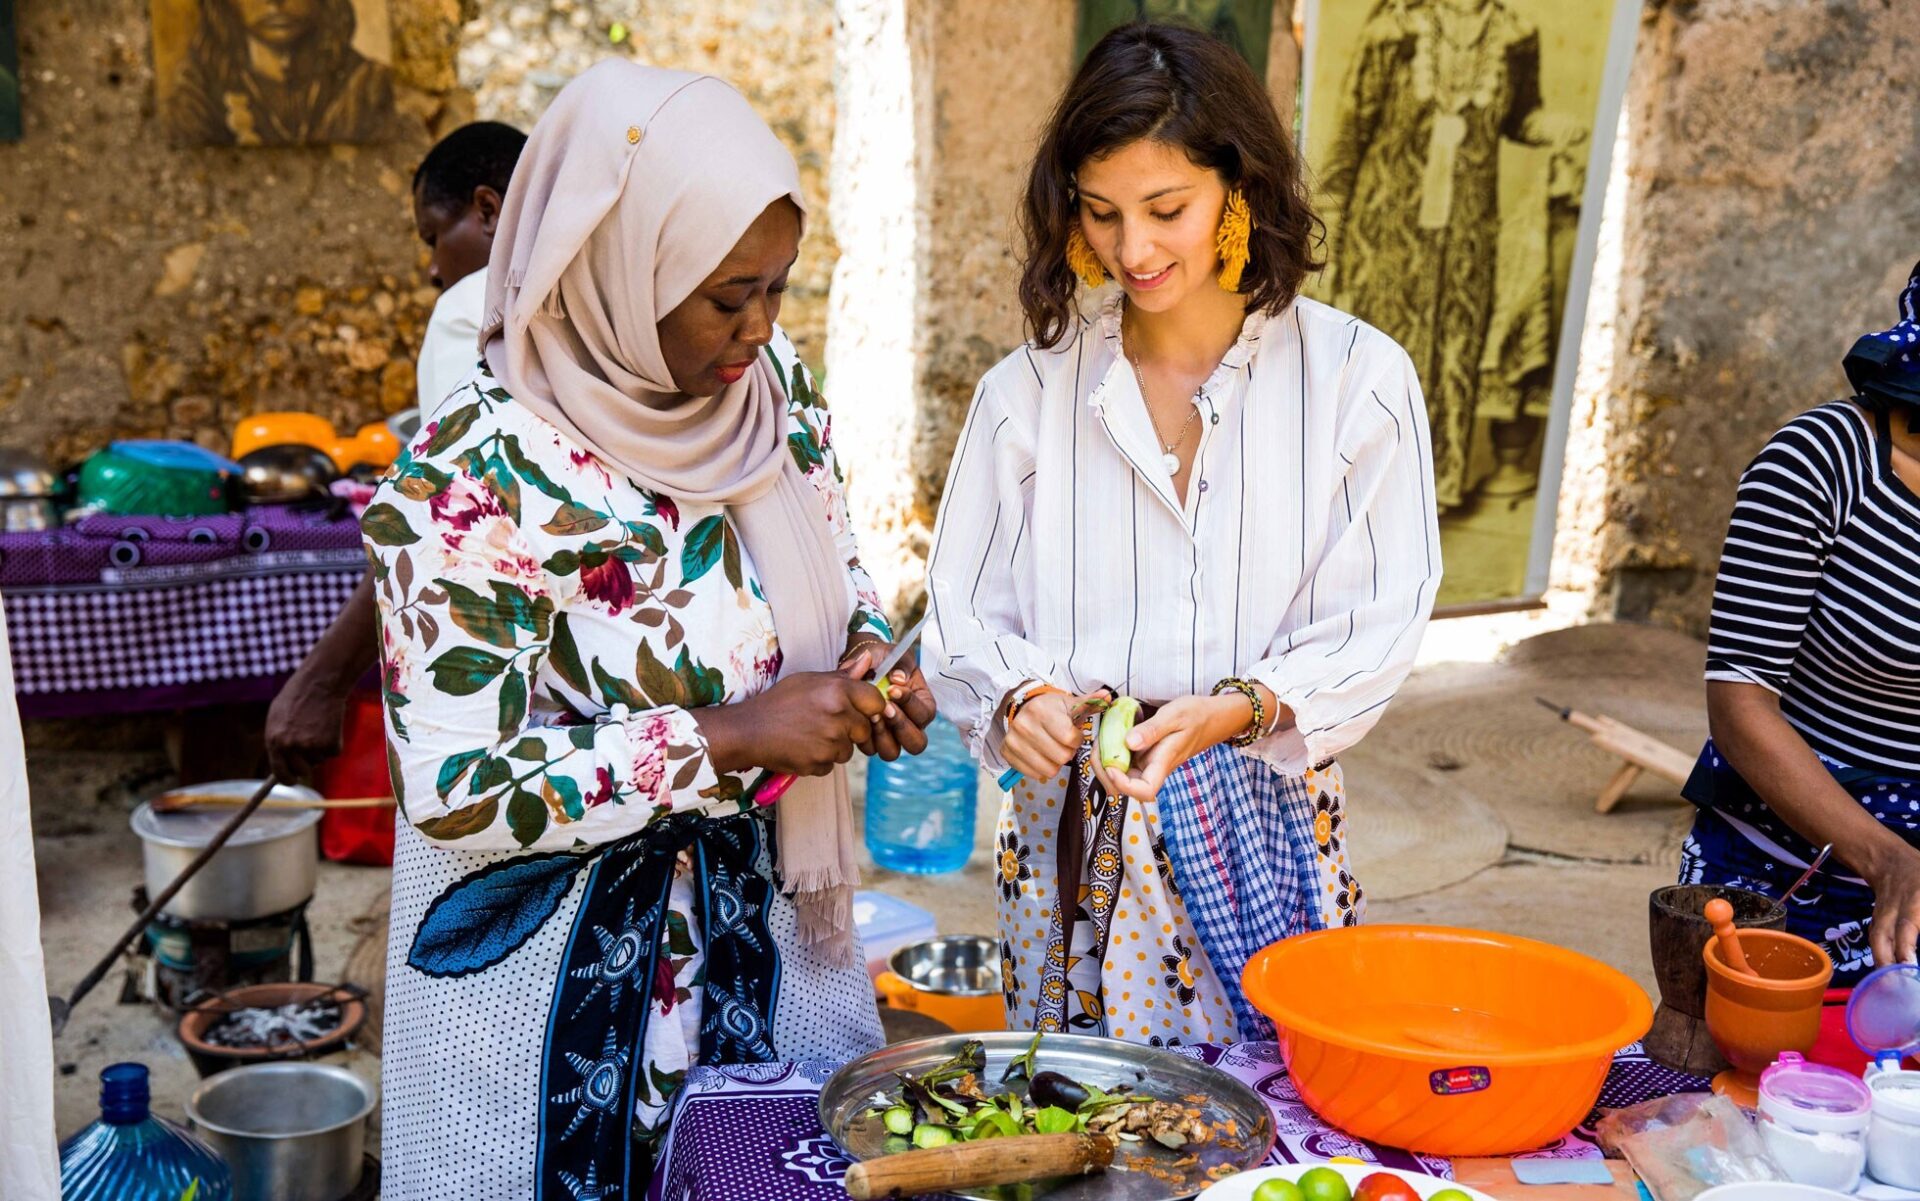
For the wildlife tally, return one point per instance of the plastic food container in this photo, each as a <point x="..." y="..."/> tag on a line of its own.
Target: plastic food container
<point x="1814" y="1120"/>
<point x="1450" y="1042"/>
<point x="1893" y="1134"/>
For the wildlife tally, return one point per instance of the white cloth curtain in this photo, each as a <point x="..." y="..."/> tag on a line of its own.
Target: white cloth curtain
<point x="28" y="1168"/>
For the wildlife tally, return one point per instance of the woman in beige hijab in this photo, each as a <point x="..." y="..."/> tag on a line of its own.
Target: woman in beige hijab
<point x="619" y="595"/>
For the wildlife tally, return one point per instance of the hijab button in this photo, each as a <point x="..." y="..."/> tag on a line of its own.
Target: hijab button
<point x="633" y="135"/>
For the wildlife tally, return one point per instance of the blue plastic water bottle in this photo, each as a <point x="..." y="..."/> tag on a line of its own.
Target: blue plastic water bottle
<point x="920" y="807"/>
<point x="130" y="1155"/>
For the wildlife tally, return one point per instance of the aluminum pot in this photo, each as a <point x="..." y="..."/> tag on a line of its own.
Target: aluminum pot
<point x="289" y="1131"/>
<point x="269" y="866"/>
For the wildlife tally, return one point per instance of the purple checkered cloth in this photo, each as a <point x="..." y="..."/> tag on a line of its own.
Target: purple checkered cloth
<point x="117" y="614"/>
<point x="753" y="1130"/>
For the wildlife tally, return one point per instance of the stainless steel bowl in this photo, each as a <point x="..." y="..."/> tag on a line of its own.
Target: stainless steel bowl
<point x="270" y="865"/>
<point x="405" y="424"/>
<point x="23" y="473"/>
<point x="289" y="1131"/>
<point x="284" y="473"/>
<point x="958" y="965"/>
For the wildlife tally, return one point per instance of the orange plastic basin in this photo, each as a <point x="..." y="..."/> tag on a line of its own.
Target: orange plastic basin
<point x="1451" y="1042"/>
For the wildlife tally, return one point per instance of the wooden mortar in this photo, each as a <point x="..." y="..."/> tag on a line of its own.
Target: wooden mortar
<point x="1678" y="931"/>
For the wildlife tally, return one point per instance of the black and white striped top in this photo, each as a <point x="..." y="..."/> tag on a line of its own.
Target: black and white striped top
<point x="1818" y="597"/>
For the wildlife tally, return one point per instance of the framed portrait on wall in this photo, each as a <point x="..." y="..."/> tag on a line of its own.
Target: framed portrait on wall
<point x="9" y="76"/>
<point x="280" y="73"/>
<point x="1460" y="151"/>
<point x="1246" y="25"/>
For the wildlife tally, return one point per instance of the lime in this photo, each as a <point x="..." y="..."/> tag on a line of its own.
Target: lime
<point x="1449" y="1194"/>
<point x="1278" y="1190"/>
<point x="1324" y="1184"/>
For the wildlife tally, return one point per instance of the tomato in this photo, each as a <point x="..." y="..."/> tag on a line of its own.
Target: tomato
<point x="1325" y="1184"/>
<point x="1385" y="1186"/>
<point x="1278" y="1190"/>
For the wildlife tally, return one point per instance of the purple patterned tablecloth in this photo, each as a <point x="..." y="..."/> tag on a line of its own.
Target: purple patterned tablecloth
<point x="120" y="614"/>
<point x="753" y="1130"/>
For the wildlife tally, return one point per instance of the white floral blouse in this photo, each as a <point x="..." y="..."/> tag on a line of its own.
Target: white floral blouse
<point x="548" y="630"/>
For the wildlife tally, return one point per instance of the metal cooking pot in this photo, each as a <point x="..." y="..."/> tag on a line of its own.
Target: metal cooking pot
<point x="27" y="489"/>
<point x="285" y="473"/>
<point x="269" y="866"/>
<point x="289" y="1131"/>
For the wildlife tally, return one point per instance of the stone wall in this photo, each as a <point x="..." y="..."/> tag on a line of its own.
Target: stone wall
<point x="162" y="292"/>
<point x="166" y="292"/>
<point x="516" y="54"/>
<point x="1773" y="211"/>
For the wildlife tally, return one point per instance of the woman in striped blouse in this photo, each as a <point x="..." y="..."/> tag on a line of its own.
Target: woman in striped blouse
<point x="1813" y="667"/>
<point x="1210" y="494"/>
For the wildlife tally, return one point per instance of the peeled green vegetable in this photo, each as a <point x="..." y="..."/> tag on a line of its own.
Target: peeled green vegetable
<point x="1115" y="724"/>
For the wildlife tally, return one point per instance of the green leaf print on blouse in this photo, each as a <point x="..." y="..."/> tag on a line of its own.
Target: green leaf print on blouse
<point x="454" y="426"/>
<point x="712" y="541"/>
<point x="387" y="526"/>
<point x="465" y="670"/>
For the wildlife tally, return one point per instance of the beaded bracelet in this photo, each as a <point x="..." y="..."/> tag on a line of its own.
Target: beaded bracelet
<point x="1257" y="728"/>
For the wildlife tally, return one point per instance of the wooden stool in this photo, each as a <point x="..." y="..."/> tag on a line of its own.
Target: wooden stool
<point x="1638" y="753"/>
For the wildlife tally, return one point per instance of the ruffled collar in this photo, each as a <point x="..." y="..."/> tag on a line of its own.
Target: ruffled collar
<point x="1107" y="321"/>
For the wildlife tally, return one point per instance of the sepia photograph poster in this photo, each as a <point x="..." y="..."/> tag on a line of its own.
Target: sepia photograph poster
<point x="282" y="73"/>
<point x="1460" y="151"/>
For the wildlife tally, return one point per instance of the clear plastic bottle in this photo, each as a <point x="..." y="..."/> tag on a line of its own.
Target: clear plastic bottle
<point x="920" y="807"/>
<point x="130" y="1155"/>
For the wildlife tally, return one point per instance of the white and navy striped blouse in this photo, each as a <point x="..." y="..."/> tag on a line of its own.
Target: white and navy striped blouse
<point x="1306" y="554"/>
<point x="1818" y="597"/>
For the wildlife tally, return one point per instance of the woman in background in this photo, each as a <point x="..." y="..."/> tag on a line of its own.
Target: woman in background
<point x="1813" y="668"/>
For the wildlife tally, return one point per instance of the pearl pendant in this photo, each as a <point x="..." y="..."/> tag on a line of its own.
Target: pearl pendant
<point x="1172" y="462"/>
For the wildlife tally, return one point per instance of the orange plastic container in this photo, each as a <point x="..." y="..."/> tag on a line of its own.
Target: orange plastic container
<point x="1451" y="1042"/>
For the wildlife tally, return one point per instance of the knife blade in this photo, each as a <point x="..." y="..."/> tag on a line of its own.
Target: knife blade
<point x="901" y="647"/>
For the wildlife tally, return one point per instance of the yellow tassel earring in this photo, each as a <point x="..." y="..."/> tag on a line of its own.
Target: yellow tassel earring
<point x="1082" y="260"/>
<point x="1236" y="229"/>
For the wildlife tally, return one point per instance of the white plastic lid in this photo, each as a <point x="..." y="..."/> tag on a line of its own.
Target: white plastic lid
<point x="1813" y="1097"/>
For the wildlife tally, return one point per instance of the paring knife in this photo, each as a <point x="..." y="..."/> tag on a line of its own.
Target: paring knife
<point x="776" y="787"/>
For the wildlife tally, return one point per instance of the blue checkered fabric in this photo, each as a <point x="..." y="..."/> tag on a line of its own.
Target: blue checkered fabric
<point x="1240" y="838"/>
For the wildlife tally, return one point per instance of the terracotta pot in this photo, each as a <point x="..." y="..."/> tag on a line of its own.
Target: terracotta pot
<point x="210" y="1058"/>
<point x="1753" y="1020"/>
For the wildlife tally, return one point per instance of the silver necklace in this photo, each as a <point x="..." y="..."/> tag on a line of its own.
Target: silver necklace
<point x="1169" y="451"/>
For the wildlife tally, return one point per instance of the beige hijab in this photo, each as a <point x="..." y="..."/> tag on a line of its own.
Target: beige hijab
<point x="631" y="189"/>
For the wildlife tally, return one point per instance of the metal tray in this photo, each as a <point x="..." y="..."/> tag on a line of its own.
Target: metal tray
<point x="847" y="1101"/>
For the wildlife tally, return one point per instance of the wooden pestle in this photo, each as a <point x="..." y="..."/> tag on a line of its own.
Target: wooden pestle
<point x="1011" y="1160"/>
<point x="1719" y="914"/>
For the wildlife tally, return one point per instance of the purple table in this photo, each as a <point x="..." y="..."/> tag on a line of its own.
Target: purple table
<point x="122" y="614"/>
<point x="753" y="1130"/>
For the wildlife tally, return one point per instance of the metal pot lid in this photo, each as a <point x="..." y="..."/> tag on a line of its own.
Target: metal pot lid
<point x="196" y="827"/>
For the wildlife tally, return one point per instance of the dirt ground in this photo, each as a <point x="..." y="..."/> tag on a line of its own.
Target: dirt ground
<point x="89" y="862"/>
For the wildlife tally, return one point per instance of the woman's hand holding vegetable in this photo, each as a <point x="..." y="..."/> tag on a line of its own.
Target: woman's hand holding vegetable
<point x="805" y="725"/>
<point x="1044" y="734"/>
<point x="1177" y="732"/>
<point x="901" y="725"/>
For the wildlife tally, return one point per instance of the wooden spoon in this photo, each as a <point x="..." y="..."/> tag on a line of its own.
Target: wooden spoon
<point x="1010" y="1160"/>
<point x="174" y="801"/>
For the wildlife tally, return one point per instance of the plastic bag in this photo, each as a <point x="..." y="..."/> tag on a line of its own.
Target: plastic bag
<point x="1685" y="1144"/>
